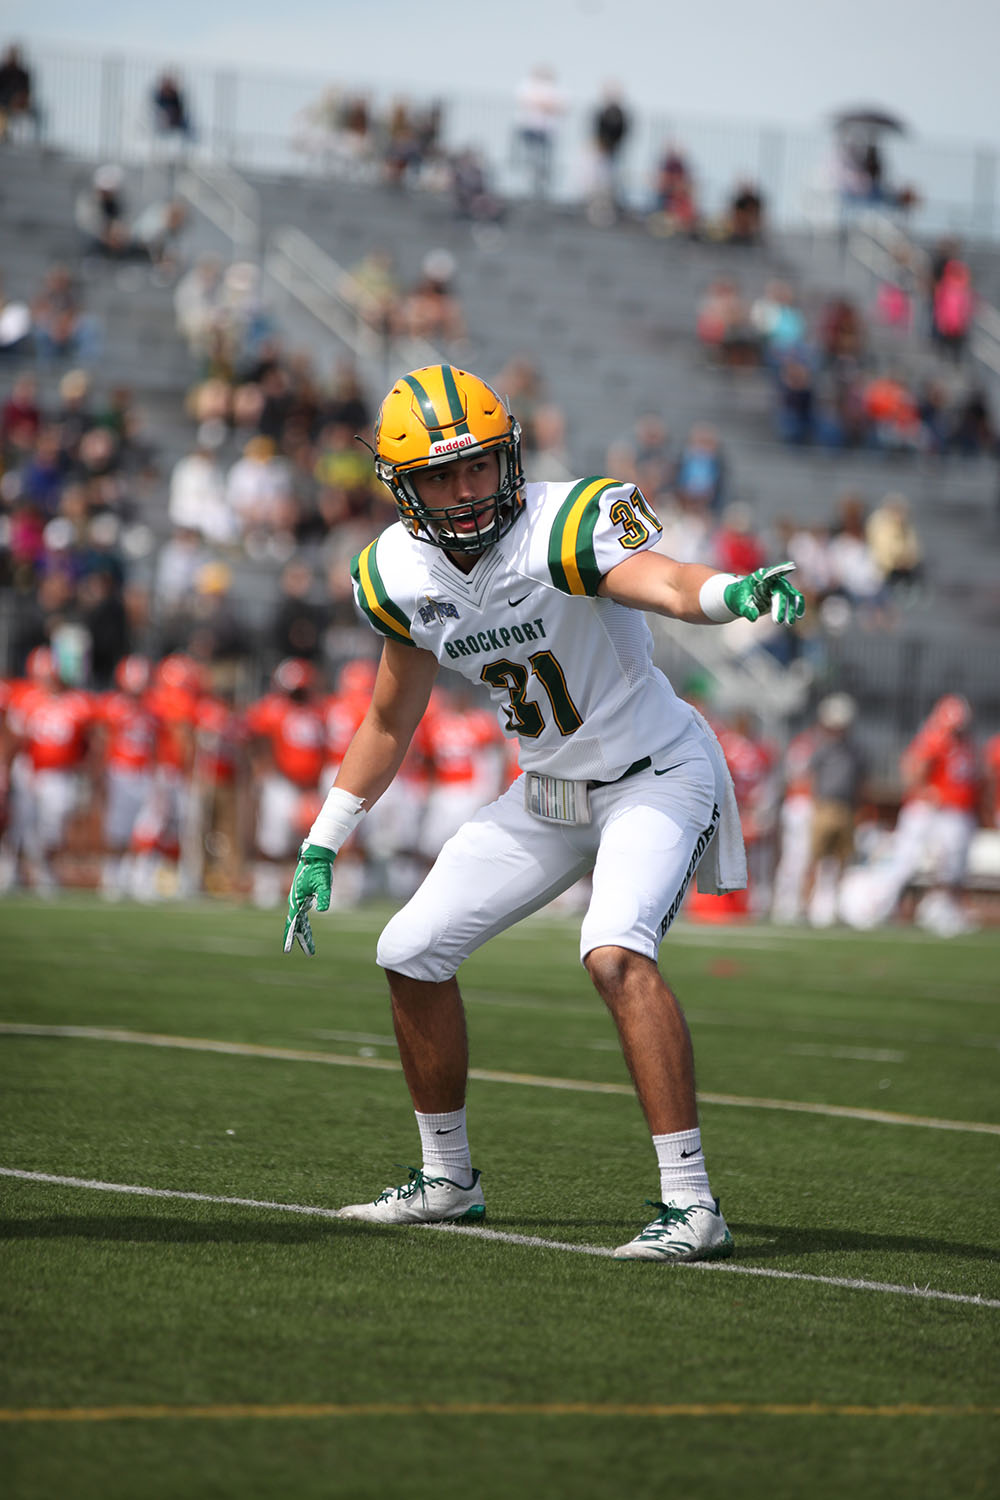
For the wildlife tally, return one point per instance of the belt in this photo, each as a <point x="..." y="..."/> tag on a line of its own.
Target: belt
<point x="637" y="765"/>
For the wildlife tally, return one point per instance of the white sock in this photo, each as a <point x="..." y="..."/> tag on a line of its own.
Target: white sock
<point x="446" y="1146"/>
<point x="683" y="1178"/>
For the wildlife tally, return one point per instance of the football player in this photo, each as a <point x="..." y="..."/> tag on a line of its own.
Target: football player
<point x="287" y="752"/>
<point x="537" y="591"/>
<point x="128" y="749"/>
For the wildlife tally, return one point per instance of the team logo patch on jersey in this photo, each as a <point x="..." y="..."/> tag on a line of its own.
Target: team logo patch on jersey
<point x="437" y="610"/>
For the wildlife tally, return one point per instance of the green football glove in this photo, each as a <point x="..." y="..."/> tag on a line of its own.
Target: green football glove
<point x="311" y="883"/>
<point x="767" y="588"/>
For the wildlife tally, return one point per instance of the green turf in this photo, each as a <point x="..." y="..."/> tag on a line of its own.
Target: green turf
<point x="113" y="1300"/>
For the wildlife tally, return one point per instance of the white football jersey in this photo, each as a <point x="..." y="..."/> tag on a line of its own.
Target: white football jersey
<point x="572" y="674"/>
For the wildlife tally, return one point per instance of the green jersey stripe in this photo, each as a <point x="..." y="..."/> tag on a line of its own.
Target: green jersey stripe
<point x="384" y="614"/>
<point x="556" y="568"/>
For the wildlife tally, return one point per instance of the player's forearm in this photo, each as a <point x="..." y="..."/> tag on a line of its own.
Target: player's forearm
<point x="372" y="760"/>
<point x="660" y="585"/>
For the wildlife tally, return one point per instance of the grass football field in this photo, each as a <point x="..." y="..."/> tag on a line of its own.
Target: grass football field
<point x="181" y="1314"/>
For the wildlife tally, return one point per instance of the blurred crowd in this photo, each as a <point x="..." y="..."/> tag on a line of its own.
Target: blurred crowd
<point x="183" y="649"/>
<point x="843" y="378"/>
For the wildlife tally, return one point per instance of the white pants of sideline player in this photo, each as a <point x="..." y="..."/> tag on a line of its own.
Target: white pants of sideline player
<point x="643" y="844"/>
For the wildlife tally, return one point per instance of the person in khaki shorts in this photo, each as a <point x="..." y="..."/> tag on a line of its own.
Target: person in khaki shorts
<point x="837" y="770"/>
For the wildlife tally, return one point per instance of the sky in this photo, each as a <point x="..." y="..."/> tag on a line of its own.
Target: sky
<point x="787" y="62"/>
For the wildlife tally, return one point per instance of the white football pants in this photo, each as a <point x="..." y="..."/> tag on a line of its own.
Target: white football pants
<point x="643" y="844"/>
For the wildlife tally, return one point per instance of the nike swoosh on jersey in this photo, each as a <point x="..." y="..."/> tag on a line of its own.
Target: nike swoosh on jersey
<point x="515" y="602"/>
<point x="666" y="769"/>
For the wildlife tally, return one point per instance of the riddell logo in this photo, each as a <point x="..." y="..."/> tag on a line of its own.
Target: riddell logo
<point x="452" y="445"/>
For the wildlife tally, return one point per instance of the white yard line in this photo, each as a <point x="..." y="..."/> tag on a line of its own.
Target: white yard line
<point x="529" y="1241"/>
<point x="481" y="1075"/>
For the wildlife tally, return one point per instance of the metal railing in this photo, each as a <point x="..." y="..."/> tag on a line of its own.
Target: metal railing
<point x="228" y="202"/>
<point x="98" y="105"/>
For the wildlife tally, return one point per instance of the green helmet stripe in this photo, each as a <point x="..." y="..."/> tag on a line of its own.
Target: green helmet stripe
<point x="454" y="399"/>
<point x="427" y="411"/>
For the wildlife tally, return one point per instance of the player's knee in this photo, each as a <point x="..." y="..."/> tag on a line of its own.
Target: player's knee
<point x="407" y="948"/>
<point x="614" y="970"/>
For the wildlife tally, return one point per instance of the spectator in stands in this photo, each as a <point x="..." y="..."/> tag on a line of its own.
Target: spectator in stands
<point x="62" y="329"/>
<point x="298" y="623"/>
<point x="198" y="303"/>
<point x="102" y="214"/>
<point x="743" y="223"/>
<point x="856" y="575"/>
<point x="401" y="153"/>
<point x="346" y="404"/>
<point x="675" y="209"/>
<point x="258" y="490"/>
<point x="473" y="196"/>
<point x="796" y="414"/>
<point x="973" y="431"/>
<point x="538" y="107"/>
<point x="609" y="129"/>
<point x="894" y="544"/>
<point x="20" y="421"/>
<point x="431" y="310"/>
<point x="778" y="318"/>
<point x="736" y="547"/>
<point x="891" y="413"/>
<point x="17" y="99"/>
<point x="644" y="455"/>
<point x="700" y="473"/>
<point x="724" y="326"/>
<point x="841" y="331"/>
<point x="954" y="307"/>
<point x="197" y="499"/>
<point x="171" y="117"/>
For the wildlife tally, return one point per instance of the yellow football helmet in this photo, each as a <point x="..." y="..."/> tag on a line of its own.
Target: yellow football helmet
<point x="433" y="416"/>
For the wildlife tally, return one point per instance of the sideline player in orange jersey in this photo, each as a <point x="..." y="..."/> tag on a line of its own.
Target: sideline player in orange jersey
<point x="944" y="784"/>
<point x="51" y="728"/>
<point x="465" y="749"/>
<point x="288" y="749"/>
<point x="126" y="737"/>
<point x="156" y="838"/>
<point x="942" y="788"/>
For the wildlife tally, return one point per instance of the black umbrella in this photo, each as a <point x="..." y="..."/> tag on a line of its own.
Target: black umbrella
<point x="869" y="119"/>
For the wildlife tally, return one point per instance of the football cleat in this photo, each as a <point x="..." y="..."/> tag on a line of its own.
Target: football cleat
<point x="431" y="417"/>
<point x="696" y="1232"/>
<point x="423" y="1200"/>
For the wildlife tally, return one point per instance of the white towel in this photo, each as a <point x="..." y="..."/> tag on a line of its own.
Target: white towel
<point x="723" y="866"/>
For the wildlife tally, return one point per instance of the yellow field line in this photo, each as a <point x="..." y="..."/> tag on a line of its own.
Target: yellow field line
<point x="313" y="1410"/>
<point x="482" y="1075"/>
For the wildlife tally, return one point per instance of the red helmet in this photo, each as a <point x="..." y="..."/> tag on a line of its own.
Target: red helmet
<point x="293" y="675"/>
<point x="357" y="678"/>
<point x="132" y="674"/>
<point x="179" y="672"/>
<point x="41" y="666"/>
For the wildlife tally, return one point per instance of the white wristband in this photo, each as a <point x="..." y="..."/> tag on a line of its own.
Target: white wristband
<point x="711" y="597"/>
<point x="337" y="819"/>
